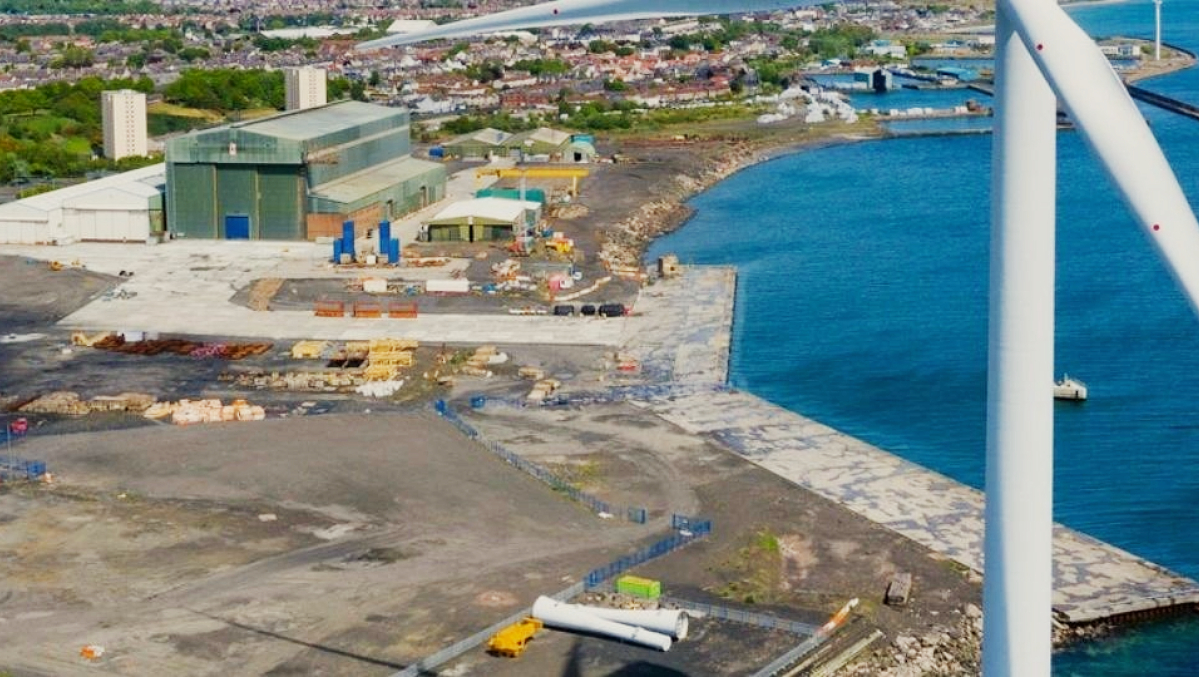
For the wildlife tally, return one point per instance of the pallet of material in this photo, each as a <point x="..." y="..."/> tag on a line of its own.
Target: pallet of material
<point x="240" y="351"/>
<point x="231" y="351"/>
<point x="357" y="350"/>
<point x="330" y="308"/>
<point x="368" y="309"/>
<point x="380" y="372"/>
<point x="398" y="358"/>
<point x="389" y="344"/>
<point x="402" y="310"/>
<point x="69" y="403"/>
<point x="309" y="350"/>
<point x="81" y="339"/>
<point x="187" y="412"/>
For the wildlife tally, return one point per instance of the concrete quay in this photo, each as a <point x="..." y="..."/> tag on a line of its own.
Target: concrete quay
<point x="680" y="330"/>
<point x="1093" y="581"/>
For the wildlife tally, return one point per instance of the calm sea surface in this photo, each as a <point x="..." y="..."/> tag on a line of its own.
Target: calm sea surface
<point x="863" y="303"/>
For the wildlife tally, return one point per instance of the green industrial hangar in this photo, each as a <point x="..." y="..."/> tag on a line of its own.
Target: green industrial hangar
<point x="298" y="175"/>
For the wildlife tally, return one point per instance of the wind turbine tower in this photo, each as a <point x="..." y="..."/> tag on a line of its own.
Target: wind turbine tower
<point x="1157" y="30"/>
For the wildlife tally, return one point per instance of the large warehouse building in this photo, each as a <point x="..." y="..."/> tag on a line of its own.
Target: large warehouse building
<point x="298" y="175"/>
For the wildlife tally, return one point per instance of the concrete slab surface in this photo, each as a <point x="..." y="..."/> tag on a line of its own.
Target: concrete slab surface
<point x="187" y="287"/>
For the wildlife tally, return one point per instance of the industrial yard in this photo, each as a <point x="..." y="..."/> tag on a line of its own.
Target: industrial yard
<point x="256" y="464"/>
<point x="356" y="544"/>
<point x="354" y="535"/>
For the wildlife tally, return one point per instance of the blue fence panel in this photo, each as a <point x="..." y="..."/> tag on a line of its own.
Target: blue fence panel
<point x="13" y="468"/>
<point x="667" y="545"/>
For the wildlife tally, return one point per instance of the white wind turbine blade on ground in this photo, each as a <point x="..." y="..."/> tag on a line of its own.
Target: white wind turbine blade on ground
<point x="567" y="12"/>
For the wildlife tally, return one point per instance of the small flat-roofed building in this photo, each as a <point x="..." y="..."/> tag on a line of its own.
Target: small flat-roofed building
<point x="298" y="175"/>
<point x="483" y="219"/>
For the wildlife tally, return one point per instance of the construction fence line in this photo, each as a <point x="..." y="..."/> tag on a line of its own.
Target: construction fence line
<point x="696" y="531"/>
<point x="701" y="528"/>
<point x="13" y="468"/>
<point x="634" y="514"/>
<point x="739" y="616"/>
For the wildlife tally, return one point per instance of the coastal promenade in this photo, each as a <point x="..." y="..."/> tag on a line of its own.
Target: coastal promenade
<point x="1093" y="581"/>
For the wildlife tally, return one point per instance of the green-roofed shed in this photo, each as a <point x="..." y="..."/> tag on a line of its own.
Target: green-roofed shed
<point x="540" y="141"/>
<point x="478" y="144"/>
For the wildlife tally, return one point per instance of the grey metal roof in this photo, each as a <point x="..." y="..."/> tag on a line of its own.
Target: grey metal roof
<point x="314" y="123"/>
<point x="380" y="177"/>
<point x="486" y="135"/>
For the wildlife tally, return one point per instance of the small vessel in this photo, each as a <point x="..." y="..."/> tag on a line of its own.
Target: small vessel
<point x="1067" y="388"/>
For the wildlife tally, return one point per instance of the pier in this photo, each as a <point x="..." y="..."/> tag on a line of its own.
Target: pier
<point x="1162" y="101"/>
<point x="1139" y="93"/>
<point x="1093" y="581"/>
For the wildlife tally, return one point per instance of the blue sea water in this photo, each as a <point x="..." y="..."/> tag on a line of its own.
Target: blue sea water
<point x="862" y="302"/>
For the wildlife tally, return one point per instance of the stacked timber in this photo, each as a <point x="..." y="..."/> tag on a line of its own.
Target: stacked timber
<point x="69" y="403"/>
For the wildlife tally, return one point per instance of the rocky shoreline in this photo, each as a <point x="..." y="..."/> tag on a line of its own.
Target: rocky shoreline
<point x="625" y="243"/>
<point x="665" y="208"/>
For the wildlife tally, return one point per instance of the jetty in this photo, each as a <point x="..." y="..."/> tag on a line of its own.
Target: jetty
<point x="1139" y="93"/>
<point x="687" y="342"/>
<point x="1162" y="101"/>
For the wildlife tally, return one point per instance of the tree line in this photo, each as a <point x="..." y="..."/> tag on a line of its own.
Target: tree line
<point x="52" y="130"/>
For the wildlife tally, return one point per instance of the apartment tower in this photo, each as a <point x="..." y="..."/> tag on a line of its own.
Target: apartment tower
<point x="305" y="87"/>
<point x="124" y="115"/>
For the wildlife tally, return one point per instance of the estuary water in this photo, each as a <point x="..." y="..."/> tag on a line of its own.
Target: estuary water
<point x="862" y="303"/>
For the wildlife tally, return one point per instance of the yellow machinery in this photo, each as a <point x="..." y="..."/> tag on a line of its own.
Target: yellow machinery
<point x="512" y="640"/>
<point x="572" y="173"/>
<point x="560" y="246"/>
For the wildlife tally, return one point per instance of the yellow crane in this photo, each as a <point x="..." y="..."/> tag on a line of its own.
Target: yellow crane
<point x="522" y="173"/>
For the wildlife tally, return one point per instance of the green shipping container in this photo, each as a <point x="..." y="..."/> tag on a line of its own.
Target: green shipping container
<point x="639" y="587"/>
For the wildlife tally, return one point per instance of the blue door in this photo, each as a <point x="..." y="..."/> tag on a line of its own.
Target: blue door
<point x="237" y="227"/>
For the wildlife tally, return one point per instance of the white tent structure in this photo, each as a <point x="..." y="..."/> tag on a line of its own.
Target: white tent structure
<point x="118" y="208"/>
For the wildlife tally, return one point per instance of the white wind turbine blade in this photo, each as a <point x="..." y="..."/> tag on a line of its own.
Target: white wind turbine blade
<point x="1115" y="130"/>
<point x="566" y="12"/>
